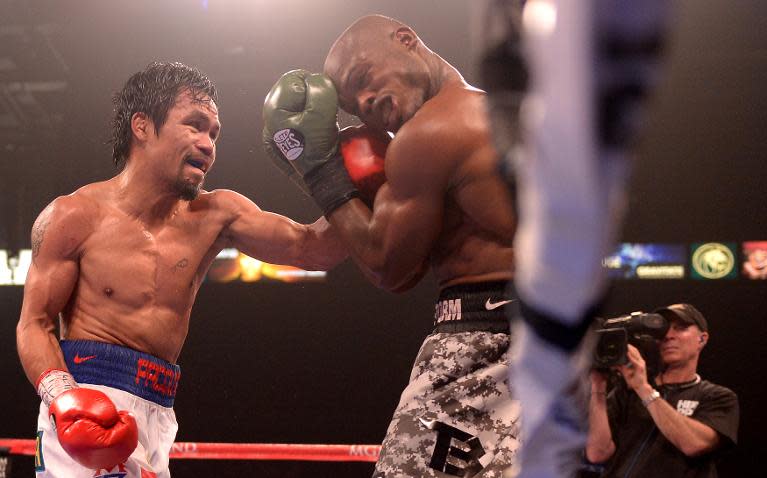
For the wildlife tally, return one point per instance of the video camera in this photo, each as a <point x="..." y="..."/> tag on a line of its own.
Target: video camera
<point x="642" y="330"/>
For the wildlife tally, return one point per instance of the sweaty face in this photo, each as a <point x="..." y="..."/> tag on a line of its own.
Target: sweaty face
<point x="383" y="90"/>
<point x="186" y="144"/>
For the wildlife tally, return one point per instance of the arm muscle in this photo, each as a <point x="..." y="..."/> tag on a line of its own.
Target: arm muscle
<point x="57" y="236"/>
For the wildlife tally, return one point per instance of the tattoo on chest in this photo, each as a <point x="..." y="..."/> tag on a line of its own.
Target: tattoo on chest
<point x="182" y="263"/>
<point x="38" y="231"/>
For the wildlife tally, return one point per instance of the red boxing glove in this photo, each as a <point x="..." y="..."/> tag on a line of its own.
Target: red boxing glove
<point x="364" y="151"/>
<point x="91" y="429"/>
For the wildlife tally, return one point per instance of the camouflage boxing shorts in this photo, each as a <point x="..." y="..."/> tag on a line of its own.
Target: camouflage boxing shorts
<point x="456" y="417"/>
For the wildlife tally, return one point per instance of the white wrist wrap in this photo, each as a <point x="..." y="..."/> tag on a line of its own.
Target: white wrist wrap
<point x="53" y="383"/>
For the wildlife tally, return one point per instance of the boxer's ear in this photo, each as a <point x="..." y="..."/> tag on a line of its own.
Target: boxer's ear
<point x="141" y="126"/>
<point x="406" y="36"/>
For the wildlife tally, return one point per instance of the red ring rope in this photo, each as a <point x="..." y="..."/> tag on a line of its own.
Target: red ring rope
<point x="242" y="451"/>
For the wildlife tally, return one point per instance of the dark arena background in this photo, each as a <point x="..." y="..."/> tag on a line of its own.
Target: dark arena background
<point x="323" y="360"/>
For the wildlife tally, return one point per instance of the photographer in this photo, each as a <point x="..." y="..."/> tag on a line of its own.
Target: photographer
<point x="674" y="425"/>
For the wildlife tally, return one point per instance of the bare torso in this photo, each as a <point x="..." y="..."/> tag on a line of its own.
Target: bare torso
<point x="137" y="282"/>
<point x="475" y="240"/>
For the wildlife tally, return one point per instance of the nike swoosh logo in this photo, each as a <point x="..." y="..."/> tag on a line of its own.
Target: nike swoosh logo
<point x="494" y="305"/>
<point x="79" y="360"/>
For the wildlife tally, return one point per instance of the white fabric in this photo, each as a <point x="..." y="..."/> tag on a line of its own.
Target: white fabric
<point x="571" y="194"/>
<point x="157" y="428"/>
<point x="553" y="389"/>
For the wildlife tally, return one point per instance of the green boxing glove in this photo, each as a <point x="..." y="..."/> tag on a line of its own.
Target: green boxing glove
<point x="301" y="136"/>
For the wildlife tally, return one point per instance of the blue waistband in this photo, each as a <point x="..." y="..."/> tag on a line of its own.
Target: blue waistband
<point x="135" y="372"/>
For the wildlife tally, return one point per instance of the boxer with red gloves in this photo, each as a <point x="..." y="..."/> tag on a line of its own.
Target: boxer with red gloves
<point x="118" y="264"/>
<point x="442" y="206"/>
<point x="88" y="425"/>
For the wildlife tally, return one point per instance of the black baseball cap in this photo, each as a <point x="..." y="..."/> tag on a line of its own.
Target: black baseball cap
<point x="685" y="313"/>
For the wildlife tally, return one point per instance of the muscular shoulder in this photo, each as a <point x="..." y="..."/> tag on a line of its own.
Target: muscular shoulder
<point x="225" y="205"/>
<point x="447" y="132"/>
<point x="223" y="200"/>
<point x="66" y="222"/>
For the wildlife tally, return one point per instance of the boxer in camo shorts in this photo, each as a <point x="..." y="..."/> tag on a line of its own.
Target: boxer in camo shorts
<point x="457" y="417"/>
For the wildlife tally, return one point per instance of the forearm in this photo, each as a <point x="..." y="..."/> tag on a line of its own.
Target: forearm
<point x="353" y="223"/>
<point x="38" y="348"/>
<point x="324" y="248"/>
<point x="277" y="239"/>
<point x="51" y="280"/>
<point x="599" y="443"/>
<point x="365" y="234"/>
<point x="690" y="436"/>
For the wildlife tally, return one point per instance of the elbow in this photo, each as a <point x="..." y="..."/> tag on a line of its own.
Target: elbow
<point x="701" y="444"/>
<point x="31" y="325"/>
<point x="388" y="270"/>
<point x="694" y="450"/>
<point x="599" y="454"/>
<point x="408" y="283"/>
<point x="402" y="288"/>
<point x="396" y="287"/>
<point x="399" y="281"/>
<point x="387" y="283"/>
<point x="22" y="327"/>
<point x="396" y="281"/>
<point x="376" y="269"/>
<point x="22" y="334"/>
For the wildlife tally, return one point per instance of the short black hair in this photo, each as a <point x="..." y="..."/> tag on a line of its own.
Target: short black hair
<point x="153" y="92"/>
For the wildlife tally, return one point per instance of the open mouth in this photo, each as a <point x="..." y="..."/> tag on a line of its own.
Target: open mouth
<point x="195" y="163"/>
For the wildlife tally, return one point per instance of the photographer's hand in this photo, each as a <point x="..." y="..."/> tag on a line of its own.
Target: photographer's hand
<point x="690" y="436"/>
<point x="635" y="373"/>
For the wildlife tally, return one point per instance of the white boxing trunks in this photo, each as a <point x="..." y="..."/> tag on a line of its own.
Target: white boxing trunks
<point x="140" y="383"/>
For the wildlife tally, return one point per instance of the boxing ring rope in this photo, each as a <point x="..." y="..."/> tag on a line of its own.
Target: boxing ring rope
<point x="241" y="451"/>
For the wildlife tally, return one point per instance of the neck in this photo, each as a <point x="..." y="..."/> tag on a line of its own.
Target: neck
<point x="444" y="74"/>
<point x="144" y="195"/>
<point x="679" y="373"/>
